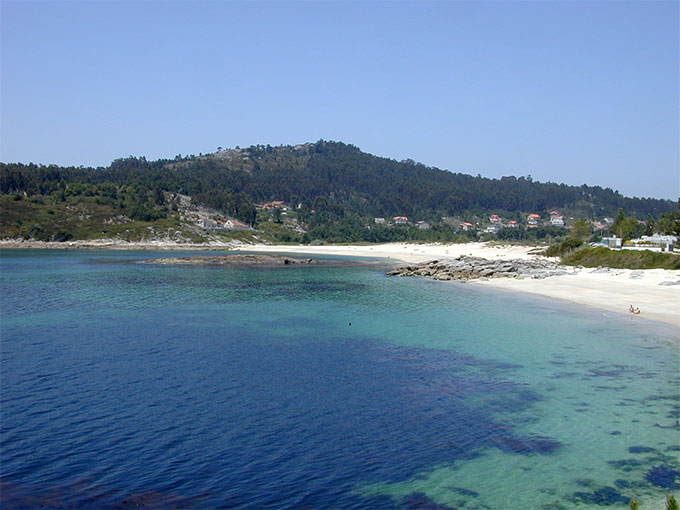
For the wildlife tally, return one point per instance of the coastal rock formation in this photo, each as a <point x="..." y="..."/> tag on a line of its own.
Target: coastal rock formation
<point x="467" y="268"/>
<point x="237" y="260"/>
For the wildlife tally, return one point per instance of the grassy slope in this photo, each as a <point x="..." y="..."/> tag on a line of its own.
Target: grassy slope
<point x="87" y="218"/>
<point x="624" y="259"/>
<point x="83" y="218"/>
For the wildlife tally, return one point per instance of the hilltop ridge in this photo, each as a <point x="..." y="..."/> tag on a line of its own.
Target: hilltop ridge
<point x="331" y="190"/>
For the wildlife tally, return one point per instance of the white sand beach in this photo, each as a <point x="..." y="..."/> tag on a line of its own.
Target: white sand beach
<point x="405" y="252"/>
<point x="614" y="290"/>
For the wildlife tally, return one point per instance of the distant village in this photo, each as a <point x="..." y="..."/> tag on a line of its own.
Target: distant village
<point x="214" y="222"/>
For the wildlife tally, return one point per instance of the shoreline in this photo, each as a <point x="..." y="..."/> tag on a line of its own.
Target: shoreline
<point x="397" y="252"/>
<point x="614" y="295"/>
<point x="115" y="244"/>
<point x="612" y="290"/>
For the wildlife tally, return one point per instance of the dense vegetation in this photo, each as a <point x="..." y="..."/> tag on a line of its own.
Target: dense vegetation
<point x="335" y="189"/>
<point x="628" y="259"/>
<point x="45" y="218"/>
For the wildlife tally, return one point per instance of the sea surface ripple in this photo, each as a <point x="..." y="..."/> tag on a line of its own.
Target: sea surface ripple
<point x="127" y="384"/>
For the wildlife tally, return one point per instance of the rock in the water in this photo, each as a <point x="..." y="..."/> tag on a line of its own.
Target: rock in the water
<point x="237" y="260"/>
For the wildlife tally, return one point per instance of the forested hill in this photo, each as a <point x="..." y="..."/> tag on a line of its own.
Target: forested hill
<point x="326" y="176"/>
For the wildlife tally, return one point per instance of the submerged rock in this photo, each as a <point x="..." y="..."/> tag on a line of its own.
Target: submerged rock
<point x="641" y="449"/>
<point x="625" y="464"/>
<point x="525" y="445"/>
<point x="421" y="501"/>
<point x="664" y="476"/>
<point x="603" y="496"/>
<point x="237" y="260"/>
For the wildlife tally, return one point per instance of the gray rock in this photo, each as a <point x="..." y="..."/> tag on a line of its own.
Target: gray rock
<point x="468" y="267"/>
<point x="601" y="270"/>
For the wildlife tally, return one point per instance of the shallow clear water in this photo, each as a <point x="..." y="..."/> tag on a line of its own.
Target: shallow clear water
<point x="126" y="383"/>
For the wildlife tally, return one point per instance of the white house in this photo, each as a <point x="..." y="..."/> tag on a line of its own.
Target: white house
<point x="532" y="219"/>
<point x="655" y="243"/>
<point x="235" y="225"/>
<point x="612" y="242"/>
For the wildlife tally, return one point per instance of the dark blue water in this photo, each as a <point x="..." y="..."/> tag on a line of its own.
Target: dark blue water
<point x="127" y="384"/>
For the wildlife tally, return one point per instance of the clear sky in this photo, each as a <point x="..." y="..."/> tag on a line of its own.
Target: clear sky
<point x="573" y="92"/>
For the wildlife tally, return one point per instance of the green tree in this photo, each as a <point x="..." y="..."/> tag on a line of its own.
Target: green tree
<point x="649" y="227"/>
<point x="581" y="230"/>
<point x="668" y="224"/>
<point x="626" y="227"/>
<point x="620" y="216"/>
<point x="158" y="196"/>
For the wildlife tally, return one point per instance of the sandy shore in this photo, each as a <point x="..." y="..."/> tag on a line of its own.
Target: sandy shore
<point x="399" y="252"/>
<point x="614" y="290"/>
<point x="405" y="253"/>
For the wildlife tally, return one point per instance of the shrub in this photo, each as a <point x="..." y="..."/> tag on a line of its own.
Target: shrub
<point x="62" y="236"/>
<point x="566" y="246"/>
<point x="624" y="259"/>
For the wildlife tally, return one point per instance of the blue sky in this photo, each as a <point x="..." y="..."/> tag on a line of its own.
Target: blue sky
<point x="573" y="92"/>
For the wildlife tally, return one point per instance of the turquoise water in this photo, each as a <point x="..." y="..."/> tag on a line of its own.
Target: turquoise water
<point x="126" y="383"/>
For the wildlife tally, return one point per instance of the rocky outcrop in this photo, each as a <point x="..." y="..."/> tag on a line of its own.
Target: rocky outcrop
<point x="467" y="268"/>
<point x="237" y="260"/>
